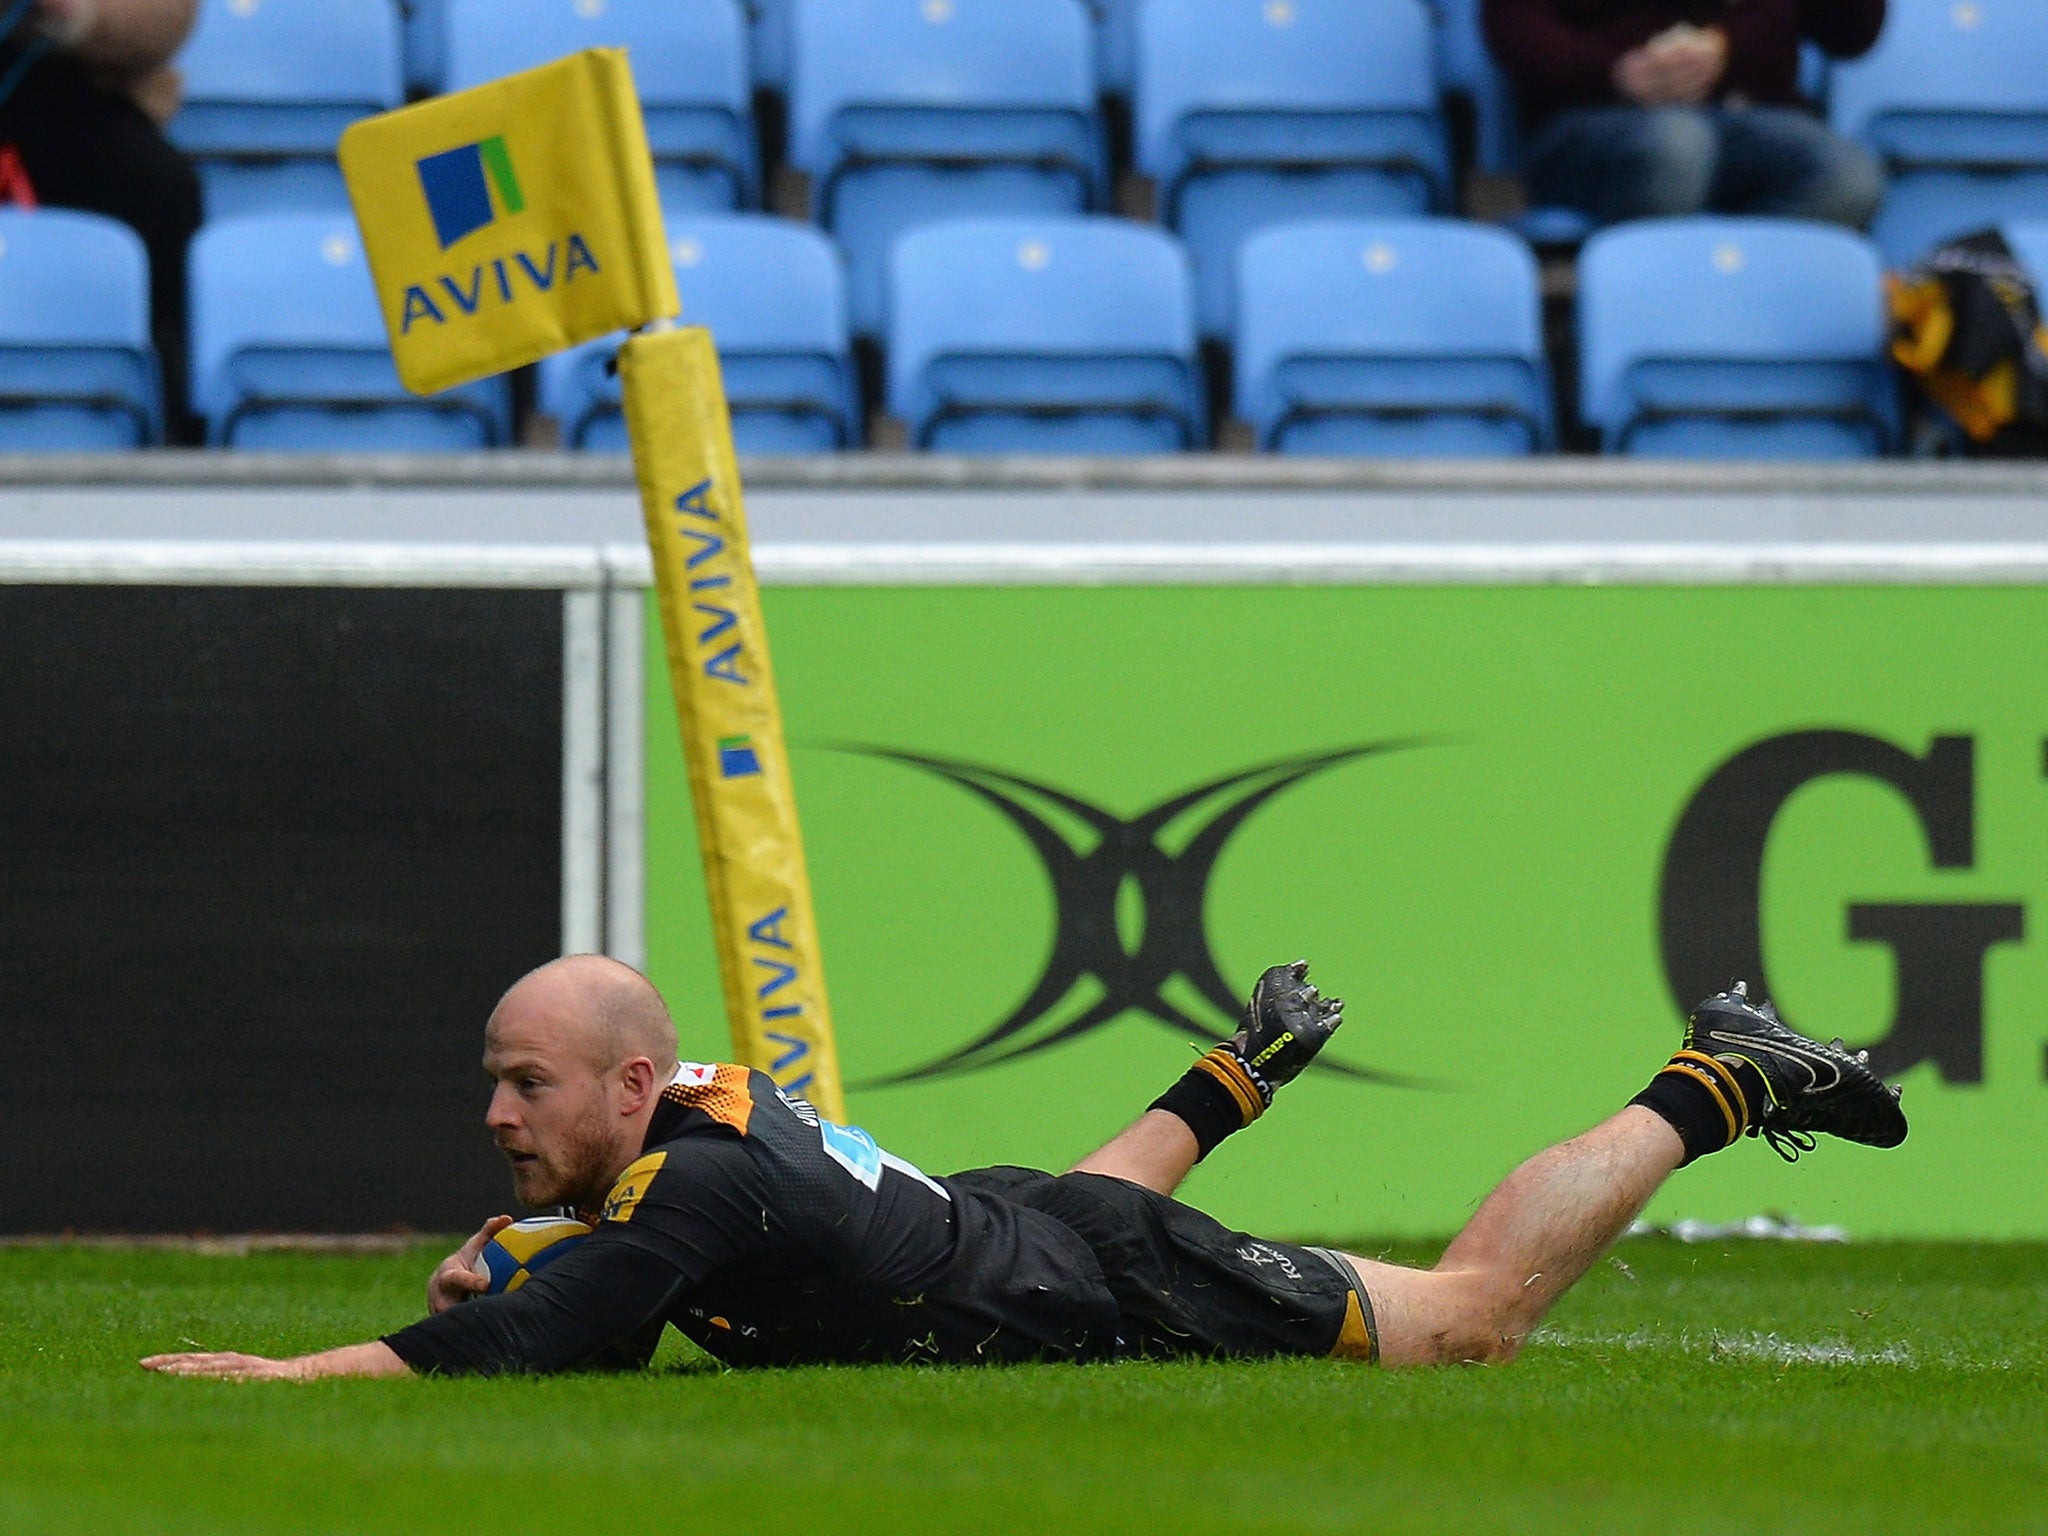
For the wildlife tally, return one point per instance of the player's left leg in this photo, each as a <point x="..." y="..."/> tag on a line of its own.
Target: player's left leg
<point x="1529" y="1242"/>
<point x="1739" y="1071"/>
<point x="1285" y="1023"/>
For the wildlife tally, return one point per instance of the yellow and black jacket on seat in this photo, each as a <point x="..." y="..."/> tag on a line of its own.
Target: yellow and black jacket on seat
<point x="1967" y="328"/>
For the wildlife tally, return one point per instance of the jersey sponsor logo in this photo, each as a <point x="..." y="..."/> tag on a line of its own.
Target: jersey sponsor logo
<point x="855" y="1150"/>
<point x="695" y="1074"/>
<point x="1105" y="962"/>
<point x="632" y="1188"/>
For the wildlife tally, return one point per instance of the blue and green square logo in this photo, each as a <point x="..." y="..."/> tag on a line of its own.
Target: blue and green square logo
<point x="737" y="757"/>
<point x="460" y="185"/>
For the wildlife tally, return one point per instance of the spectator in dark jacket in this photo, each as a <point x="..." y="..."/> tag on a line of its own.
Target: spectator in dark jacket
<point x="1637" y="108"/>
<point x="85" y="87"/>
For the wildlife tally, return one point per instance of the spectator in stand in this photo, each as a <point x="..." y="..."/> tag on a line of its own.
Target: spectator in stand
<point x="85" y="89"/>
<point x="1638" y="108"/>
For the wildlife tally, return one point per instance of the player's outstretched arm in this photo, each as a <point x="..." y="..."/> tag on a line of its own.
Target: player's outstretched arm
<point x="455" y="1279"/>
<point x="372" y="1359"/>
<point x="1285" y="1023"/>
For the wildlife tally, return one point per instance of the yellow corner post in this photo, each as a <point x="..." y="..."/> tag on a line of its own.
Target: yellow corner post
<point x="718" y="664"/>
<point x="514" y="219"/>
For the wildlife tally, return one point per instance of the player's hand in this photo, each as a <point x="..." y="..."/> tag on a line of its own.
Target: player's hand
<point x="455" y="1278"/>
<point x="224" y="1366"/>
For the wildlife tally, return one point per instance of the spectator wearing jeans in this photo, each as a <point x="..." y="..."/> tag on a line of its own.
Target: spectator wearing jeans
<point x="1639" y="108"/>
<point x="85" y="88"/>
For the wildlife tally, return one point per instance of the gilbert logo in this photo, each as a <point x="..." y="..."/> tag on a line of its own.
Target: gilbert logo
<point x="1712" y="896"/>
<point x="1159" y="863"/>
<point x="459" y="184"/>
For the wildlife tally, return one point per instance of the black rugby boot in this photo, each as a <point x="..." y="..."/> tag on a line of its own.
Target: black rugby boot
<point x="1811" y="1087"/>
<point x="1285" y="1023"/>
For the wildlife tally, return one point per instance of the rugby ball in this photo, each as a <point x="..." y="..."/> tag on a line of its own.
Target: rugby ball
<point x="526" y="1248"/>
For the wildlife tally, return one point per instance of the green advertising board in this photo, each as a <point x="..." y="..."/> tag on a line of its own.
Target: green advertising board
<point x="1053" y="830"/>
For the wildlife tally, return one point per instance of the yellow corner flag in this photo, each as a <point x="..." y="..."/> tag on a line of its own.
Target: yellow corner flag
<point x="510" y="220"/>
<point x="517" y="218"/>
<point x="732" y="726"/>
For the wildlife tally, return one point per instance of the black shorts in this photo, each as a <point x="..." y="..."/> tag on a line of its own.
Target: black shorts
<point x="1185" y="1284"/>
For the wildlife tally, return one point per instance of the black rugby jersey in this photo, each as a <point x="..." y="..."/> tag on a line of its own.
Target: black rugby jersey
<point x="773" y="1237"/>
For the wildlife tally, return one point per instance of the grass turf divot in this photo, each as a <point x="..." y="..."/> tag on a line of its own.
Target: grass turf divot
<point x="1723" y="1387"/>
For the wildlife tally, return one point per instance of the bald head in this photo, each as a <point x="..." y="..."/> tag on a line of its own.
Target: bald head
<point x="603" y="1010"/>
<point x="579" y="1052"/>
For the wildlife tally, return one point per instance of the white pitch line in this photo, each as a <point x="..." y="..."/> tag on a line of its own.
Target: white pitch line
<point x="1744" y="1346"/>
<point x="1765" y="1346"/>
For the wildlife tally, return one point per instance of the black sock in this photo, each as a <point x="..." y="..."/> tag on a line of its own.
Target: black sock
<point x="1213" y="1098"/>
<point x="1710" y="1102"/>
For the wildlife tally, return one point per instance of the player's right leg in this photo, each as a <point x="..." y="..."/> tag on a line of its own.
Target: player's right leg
<point x="1739" y="1071"/>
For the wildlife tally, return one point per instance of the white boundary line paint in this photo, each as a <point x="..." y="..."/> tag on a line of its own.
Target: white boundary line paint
<point x="967" y="563"/>
<point x="293" y="563"/>
<point x="1369" y="564"/>
<point x="583" y="772"/>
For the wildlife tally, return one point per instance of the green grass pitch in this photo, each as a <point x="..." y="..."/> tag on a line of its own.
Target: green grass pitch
<point x="1719" y="1388"/>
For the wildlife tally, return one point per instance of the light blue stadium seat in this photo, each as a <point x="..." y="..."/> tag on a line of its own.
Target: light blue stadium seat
<point x="425" y="43"/>
<point x="1044" y="335"/>
<point x="1466" y="68"/>
<point x="1251" y="113"/>
<point x="907" y="111"/>
<point x="290" y="353"/>
<point x="269" y="85"/>
<point x="773" y="294"/>
<point x="768" y="36"/>
<point x="77" y="371"/>
<point x="1955" y="98"/>
<point x="1416" y="338"/>
<point x="690" y="67"/>
<point x="1116" y="44"/>
<point x="1735" y="338"/>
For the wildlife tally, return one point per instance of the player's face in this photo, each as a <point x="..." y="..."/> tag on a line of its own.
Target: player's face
<point x="552" y="1114"/>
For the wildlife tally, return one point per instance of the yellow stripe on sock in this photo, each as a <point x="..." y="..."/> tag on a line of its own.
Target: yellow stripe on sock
<point x="1731" y="1086"/>
<point x="1687" y="1069"/>
<point x="1229" y="1071"/>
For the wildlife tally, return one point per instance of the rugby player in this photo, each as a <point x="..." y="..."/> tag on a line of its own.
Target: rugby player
<point x="769" y="1236"/>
